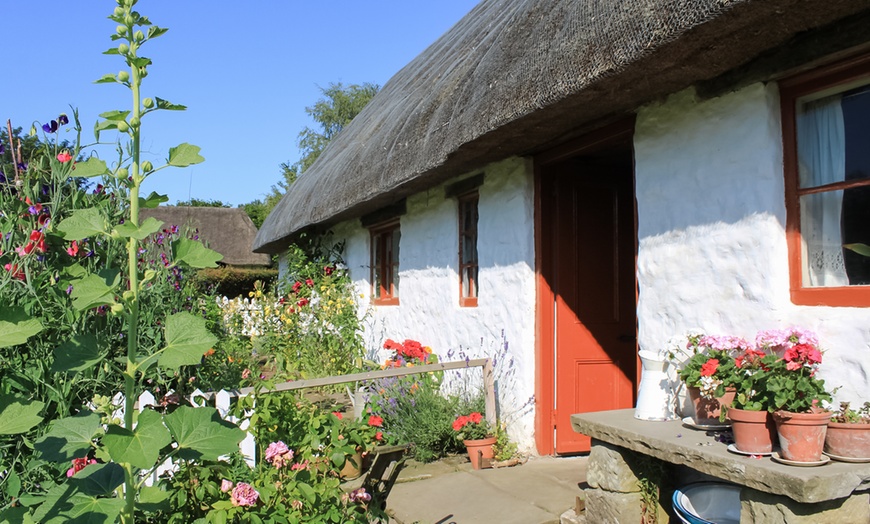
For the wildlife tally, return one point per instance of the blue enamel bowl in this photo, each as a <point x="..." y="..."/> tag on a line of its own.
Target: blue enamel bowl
<point x="708" y="503"/>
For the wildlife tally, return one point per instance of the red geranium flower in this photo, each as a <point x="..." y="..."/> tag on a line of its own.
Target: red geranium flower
<point x="709" y="367"/>
<point x="475" y="417"/>
<point x="375" y="420"/>
<point x="460" y="422"/>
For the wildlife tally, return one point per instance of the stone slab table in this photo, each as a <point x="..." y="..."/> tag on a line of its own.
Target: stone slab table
<point x="836" y="489"/>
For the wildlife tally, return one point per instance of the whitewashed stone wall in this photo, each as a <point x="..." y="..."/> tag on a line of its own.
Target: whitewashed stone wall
<point x="711" y="230"/>
<point x="429" y="308"/>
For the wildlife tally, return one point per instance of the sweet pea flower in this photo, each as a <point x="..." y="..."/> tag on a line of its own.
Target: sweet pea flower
<point x="244" y="495"/>
<point x="50" y="127"/>
<point x="64" y="157"/>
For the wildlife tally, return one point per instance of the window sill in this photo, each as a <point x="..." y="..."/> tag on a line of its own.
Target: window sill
<point x="468" y="302"/>
<point x="853" y="296"/>
<point x="392" y="301"/>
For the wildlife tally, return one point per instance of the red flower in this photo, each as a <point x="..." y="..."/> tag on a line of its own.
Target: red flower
<point x="337" y="414"/>
<point x="709" y="367"/>
<point x="302" y="302"/>
<point x="475" y="417"/>
<point x="297" y="286"/>
<point x="375" y="420"/>
<point x="309" y="282"/>
<point x="460" y="422"/>
<point x="379" y="435"/>
<point x="15" y="270"/>
<point x="328" y="270"/>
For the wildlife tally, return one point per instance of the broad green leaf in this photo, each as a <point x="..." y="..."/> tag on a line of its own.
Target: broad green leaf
<point x="184" y="155"/>
<point x="166" y="104"/>
<point x="140" y="61"/>
<point x="77" y="354"/>
<point x="13" y="485"/>
<point x="14" y="515"/>
<point x="152" y="498"/>
<point x="307" y="492"/>
<point x="60" y="498"/>
<point x="111" y="51"/>
<point x="201" y="434"/>
<point x="187" y="338"/>
<point x="18" y="415"/>
<point x="102" y="125"/>
<point x="861" y="249"/>
<point x="106" y="79"/>
<point x="153" y="200"/>
<point x="141" y="447"/>
<point x="83" y="223"/>
<point x="93" y="166"/>
<point x="147" y="227"/>
<point x="91" y="291"/>
<point x="69" y="438"/>
<point x="93" y="510"/>
<point x="192" y="253"/>
<point x="99" y="480"/>
<point x="16" y="326"/>
<point x="115" y="115"/>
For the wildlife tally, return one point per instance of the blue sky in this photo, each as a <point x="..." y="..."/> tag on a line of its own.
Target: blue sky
<point x="245" y="70"/>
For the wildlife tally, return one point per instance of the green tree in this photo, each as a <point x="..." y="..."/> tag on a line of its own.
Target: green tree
<point x="257" y="210"/>
<point x="198" y="202"/>
<point x="338" y="106"/>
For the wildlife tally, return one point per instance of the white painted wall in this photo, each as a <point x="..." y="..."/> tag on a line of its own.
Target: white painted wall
<point x="711" y="228"/>
<point x="429" y="308"/>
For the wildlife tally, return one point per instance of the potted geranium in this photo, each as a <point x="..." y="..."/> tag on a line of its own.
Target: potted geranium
<point x="848" y="435"/>
<point x="796" y="398"/>
<point x="356" y="438"/>
<point x="477" y="435"/>
<point x="707" y="364"/>
<point x="751" y="422"/>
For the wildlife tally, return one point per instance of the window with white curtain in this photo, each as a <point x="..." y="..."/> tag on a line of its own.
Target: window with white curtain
<point x="826" y="138"/>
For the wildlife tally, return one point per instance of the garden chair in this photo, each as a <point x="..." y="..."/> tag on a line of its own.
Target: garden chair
<point x="387" y="463"/>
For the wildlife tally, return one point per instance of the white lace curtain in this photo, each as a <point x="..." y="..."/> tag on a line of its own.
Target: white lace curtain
<point x="822" y="160"/>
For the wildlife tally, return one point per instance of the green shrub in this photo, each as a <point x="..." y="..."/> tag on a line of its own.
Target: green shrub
<point x="233" y="282"/>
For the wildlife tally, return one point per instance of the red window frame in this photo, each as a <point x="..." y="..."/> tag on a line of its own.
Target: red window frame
<point x="385" y="263"/>
<point x="468" y="263"/>
<point x="791" y="90"/>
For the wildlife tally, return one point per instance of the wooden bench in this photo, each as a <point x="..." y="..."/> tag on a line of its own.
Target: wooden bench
<point x="387" y="463"/>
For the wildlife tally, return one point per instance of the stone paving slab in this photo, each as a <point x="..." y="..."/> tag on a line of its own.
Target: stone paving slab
<point x="537" y="492"/>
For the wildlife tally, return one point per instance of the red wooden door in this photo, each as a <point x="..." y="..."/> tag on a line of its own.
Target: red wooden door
<point x="589" y="259"/>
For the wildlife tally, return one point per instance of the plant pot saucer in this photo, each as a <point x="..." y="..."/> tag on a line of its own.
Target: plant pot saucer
<point x="733" y="449"/>
<point x="838" y="458"/>
<point x="709" y="424"/>
<point x="777" y="458"/>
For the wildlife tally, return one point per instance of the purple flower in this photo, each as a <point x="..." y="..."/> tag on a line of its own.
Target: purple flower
<point x="2" y="149"/>
<point x="360" y="496"/>
<point x="63" y="119"/>
<point x="69" y="289"/>
<point x="22" y="166"/>
<point x="50" y="127"/>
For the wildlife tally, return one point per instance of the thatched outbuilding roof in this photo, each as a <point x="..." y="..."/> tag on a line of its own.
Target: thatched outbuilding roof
<point x="515" y="77"/>
<point x="229" y="231"/>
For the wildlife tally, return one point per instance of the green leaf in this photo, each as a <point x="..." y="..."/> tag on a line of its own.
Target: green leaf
<point x="152" y="499"/>
<point x="78" y="354"/>
<point x="184" y="155"/>
<point x="117" y="116"/>
<point x="166" y="104"/>
<point x="111" y="51"/>
<point x="69" y="438"/>
<point x="201" y="434"/>
<point x="13" y="485"/>
<point x="187" y="338"/>
<point x="149" y="226"/>
<point x="154" y="31"/>
<point x="141" y="447"/>
<point x="18" y="415"/>
<point x="93" y="510"/>
<point x="192" y="253"/>
<point x="92" y="291"/>
<point x="14" y="515"/>
<point x="99" y="480"/>
<point x="102" y="125"/>
<point x="16" y="326"/>
<point x="861" y="249"/>
<point x="91" y="167"/>
<point x="83" y="223"/>
<point x="140" y="61"/>
<point x="307" y="492"/>
<point x="154" y="200"/>
<point x="106" y="79"/>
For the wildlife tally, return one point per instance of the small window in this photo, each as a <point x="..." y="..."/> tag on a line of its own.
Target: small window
<point x="385" y="263"/>
<point x="826" y="142"/>
<point x="468" y="266"/>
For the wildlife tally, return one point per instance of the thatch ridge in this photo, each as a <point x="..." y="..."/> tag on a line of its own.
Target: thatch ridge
<point x="229" y="231"/>
<point x="514" y="77"/>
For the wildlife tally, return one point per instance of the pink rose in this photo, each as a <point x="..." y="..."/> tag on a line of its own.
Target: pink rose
<point x="244" y="495"/>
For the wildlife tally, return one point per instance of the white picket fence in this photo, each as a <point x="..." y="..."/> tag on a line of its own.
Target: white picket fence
<point x="222" y="400"/>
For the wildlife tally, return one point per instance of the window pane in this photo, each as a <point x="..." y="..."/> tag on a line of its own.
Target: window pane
<point x="828" y="221"/>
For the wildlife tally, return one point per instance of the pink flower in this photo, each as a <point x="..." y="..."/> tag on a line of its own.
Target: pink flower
<point x="360" y="496"/>
<point x="64" y="157"/>
<point x="299" y="465"/>
<point x="73" y="249"/>
<point x="226" y="485"/>
<point x="244" y="495"/>
<point x="78" y="465"/>
<point x="278" y="454"/>
<point x="246" y="373"/>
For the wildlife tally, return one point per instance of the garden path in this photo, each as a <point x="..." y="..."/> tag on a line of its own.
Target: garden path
<point x="450" y="492"/>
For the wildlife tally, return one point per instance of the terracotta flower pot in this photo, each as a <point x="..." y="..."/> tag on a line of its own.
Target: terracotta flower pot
<point x="848" y="440"/>
<point x="754" y="431"/>
<point x="479" y="449"/>
<point x="709" y="408"/>
<point x="353" y="467"/>
<point x="801" y="435"/>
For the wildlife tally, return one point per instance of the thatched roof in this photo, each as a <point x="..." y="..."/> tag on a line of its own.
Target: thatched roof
<point x="229" y="231"/>
<point x="514" y="77"/>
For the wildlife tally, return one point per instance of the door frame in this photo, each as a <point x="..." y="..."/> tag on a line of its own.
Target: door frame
<point x="620" y="132"/>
